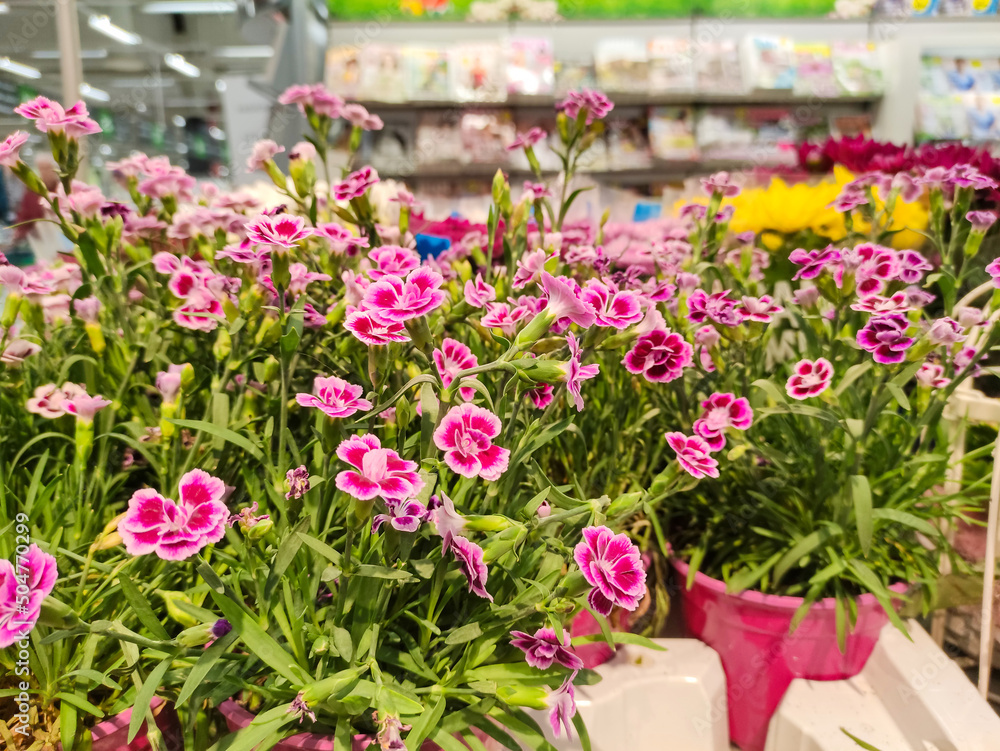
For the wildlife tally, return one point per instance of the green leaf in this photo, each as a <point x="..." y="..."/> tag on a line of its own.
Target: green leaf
<point x="865" y="746"/>
<point x="286" y="554"/>
<point x="427" y="721"/>
<point x="322" y="548"/>
<point x="861" y="492"/>
<point x="447" y="741"/>
<point x="395" y="701"/>
<point x="581" y="730"/>
<point x="852" y="374"/>
<point x="383" y="572"/>
<point x="464" y="634"/>
<point x="80" y="703"/>
<point x="231" y="436"/>
<point x="771" y="389"/>
<point x="342" y="643"/>
<point x="256" y="734"/>
<point x="143" y="610"/>
<point x="898" y="395"/>
<point x="259" y="642"/>
<point x="205" y="663"/>
<point x="67" y="726"/>
<point x="874" y="585"/>
<point x="145" y="695"/>
<point x="747" y="577"/>
<point x="620" y="638"/>
<point x="909" y="520"/>
<point x="840" y="615"/>
<point x="802" y="548"/>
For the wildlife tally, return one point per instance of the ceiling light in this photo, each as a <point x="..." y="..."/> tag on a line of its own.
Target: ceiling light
<point x="56" y="54"/>
<point x="19" y="69"/>
<point x="178" y="63"/>
<point x="245" y="51"/>
<point x="4" y="8"/>
<point x="190" y="7"/>
<point x="179" y="121"/>
<point x="148" y="82"/>
<point x="217" y="133"/>
<point x="103" y="24"/>
<point x="220" y="85"/>
<point x="94" y="94"/>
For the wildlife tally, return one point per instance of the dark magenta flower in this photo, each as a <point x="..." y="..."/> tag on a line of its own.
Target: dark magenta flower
<point x="595" y="103"/>
<point x="717" y="307"/>
<point x="544" y="648"/>
<point x="813" y="261"/>
<point x="527" y="140"/>
<point x="886" y="338"/>
<point x="334" y="397"/>
<point x="470" y="557"/>
<point x="611" y="564"/>
<point x="404" y="516"/>
<point x="562" y="704"/>
<point x="298" y="482"/>
<point x="660" y="356"/>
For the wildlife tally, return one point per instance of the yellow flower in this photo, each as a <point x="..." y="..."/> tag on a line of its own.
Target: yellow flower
<point x="780" y="209"/>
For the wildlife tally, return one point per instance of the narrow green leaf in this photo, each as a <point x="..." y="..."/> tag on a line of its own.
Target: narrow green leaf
<point x="286" y="554"/>
<point x="898" y="395"/>
<point x="80" y="703"/>
<point x="464" y="634"/>
<point x="322" y="548"/>
<point x="231" y="436"/>
<point x="67" y="724"/>
<point x="143" y="610"/>
<point x="427" y="721"/>
<point x="145" y="695"/>
<point x="862" y="494"/>
<point x="205" y="663"/>
<point x="802" y="548"/>
<point x="865" y="746"/>
<point x="620" y="638"/>
<point x="383" y="572"/>
<point x="909" y="520"/>
<point x="581" y="730"/>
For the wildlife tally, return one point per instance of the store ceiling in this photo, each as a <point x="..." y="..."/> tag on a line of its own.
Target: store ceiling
<point x="127" y="47"/>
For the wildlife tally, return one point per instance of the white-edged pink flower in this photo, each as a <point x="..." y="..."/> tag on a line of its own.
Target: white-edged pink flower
<point x="530" y="267"/>
<point x="880" y="306"/>
<point x="693" y="454"/>
<point x="478" y="293"/>
<point x="301" y="277"/>
<point x="177" y="530"/>
<point x="465" y="435"/>
<point x="10" y="148"/>
<point x="931" y="375"/>
<point x="809" y="378"/>
<point x="500" y="315"/>
<point x="448" y="523"/>
<point x="452" y="358"/>
<point x="403" y="516"/>
<point x="341" y="240"/>
<point x="470" y="558"/>
<point x="395" y="300"/>
<point x="334" y="397"/>
<point x="50" y="401"/>
<point x="374" y="331"/>
<point x="201" y="311"/>
<point x="613" y="307"/>
<point x="24" y="585"/>
<point x="168" y="382"/>
<point x="378" y="472"/>
<point x="722" y="411"/>
<point x="575" y="373"/>
<point x="760" y="309"/>
<point x="84" y="407"/>
<point x="392" y="260"/>
<point x="263" y="151"/>
<point x="283" y="230"/>
<point x="562" y="707"/>
<point x="564" y="301"/>
<point x="355" y="184"/>
<point x="612" y="565"/>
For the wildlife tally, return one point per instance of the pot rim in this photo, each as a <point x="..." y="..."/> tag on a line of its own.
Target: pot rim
<point x="777" y="602"/>
<point x="121" y="720"/>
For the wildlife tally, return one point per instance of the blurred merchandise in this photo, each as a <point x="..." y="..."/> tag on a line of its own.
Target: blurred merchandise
<point x="770" y="63"/>
<point x="857" y="68"/>
<point x="621" y="65"/>
<point x="718" y="69"/>
<point x="477" y="72"/>
<point x="530" y="66"/>
<point x="383" y="77"/>
<point x="814" y="70"/>
<point x="671" y="133"/>
<point x="671" y="67"/>
<point x="427" y="73"/>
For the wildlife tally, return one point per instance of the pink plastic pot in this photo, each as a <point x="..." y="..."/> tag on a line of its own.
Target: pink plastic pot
<point x="750" y="631"/>
<point x="597" y="653"/>
<point x="112" y="734"/>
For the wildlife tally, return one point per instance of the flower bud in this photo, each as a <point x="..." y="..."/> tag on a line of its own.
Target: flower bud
<point x="499" y="182"/>
<point x="272" y="369"/>
<point x="223" y="345"/>
<point x="625" y="505"/>
<point x="541" y="371"/>
<point x="524" y="696"/>
<point x="96" y="337"/>
<point x="259" y="530"/>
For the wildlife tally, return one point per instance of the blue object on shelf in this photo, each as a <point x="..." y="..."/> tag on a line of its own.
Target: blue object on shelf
<point x="431" y="246"/>
<point x="647" y="210"/>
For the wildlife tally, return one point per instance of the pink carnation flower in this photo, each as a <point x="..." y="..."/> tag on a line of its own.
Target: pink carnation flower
<point x="283" y="230"/>
<point x="50" y="117"/>
<point x="885" y="337"/>
<point x="722" y="411"/>
<point x="564" y="301"/>
<point x="575" y="373"/>
<point x="396" y="301"/>
<point x="263" y="151"/>
<point x="200" y="312"/>
<point x="175" y="531"/>
<point x="594" y="103"/>
<point x="809" y="378"/>
<point x="452" y="358"/>
<point x="466" y="435"/>
<point x="377" y="471"/>
<point x="716" y="307"/>
<point x="499" y="315"/>
<point x="470" y="557"/>
<point x="562" y="707"/>
<point x="335" y="397"/>
<point x="23" y="588"/>
<point x="543" y="649"/>
<point x="660" y="356"/>
<point x="722" y="183"/>
<point x="931" y="374"/>
<point x="392" y="260"/>
<point x="760" y="309"/>
<point x="355" y="184"/>
<point x="448" y="523"/>
<point x="529" y="268"/>
<point x="403" y="516"/>
<point x="813" y="262"/>
<point x="341" y="241"/>
<point x="878" y="305"/>
<point x="51" y="402"/>
<point x="315" y="97"/>
<point x="527" y="140"/>
<point x="611" y="564"/>
<point x="618" y="309"/>
<point x="10" y="148"/>
<point x="993" y="269"/>
<point x="478" y="292"/>
<point x="374" y="331"/>
<point x="693" y="454"/>
<point x="541" y="396"/>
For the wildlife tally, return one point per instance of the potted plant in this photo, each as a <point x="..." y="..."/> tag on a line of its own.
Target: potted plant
<point x="343" y="521"/>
